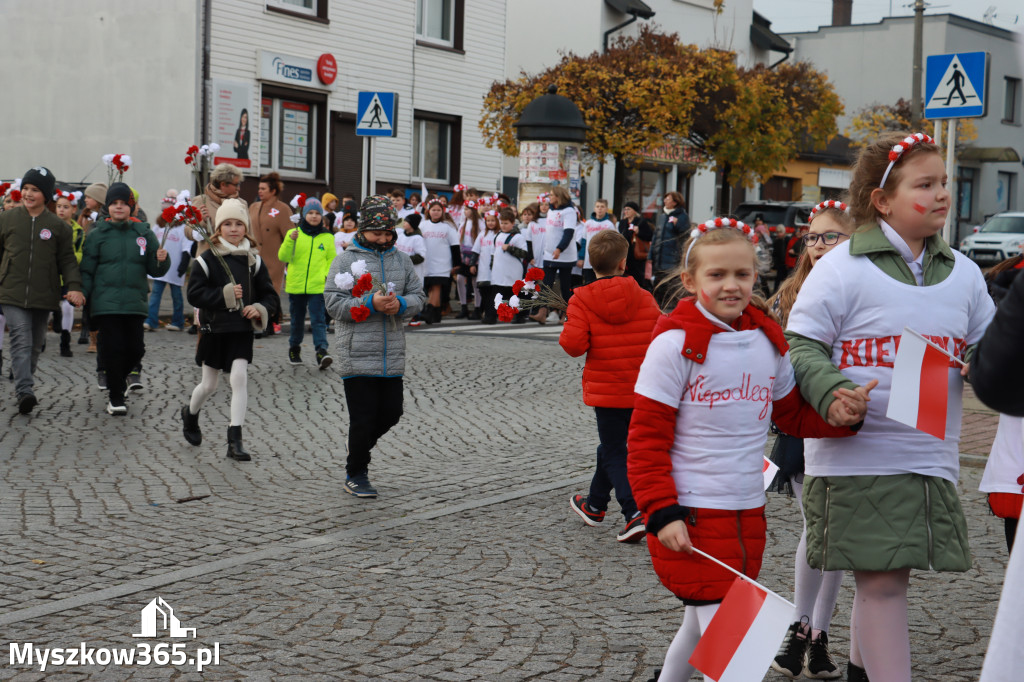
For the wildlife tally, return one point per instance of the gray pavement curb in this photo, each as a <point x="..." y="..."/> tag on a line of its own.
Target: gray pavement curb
<point x="276" y="549"/>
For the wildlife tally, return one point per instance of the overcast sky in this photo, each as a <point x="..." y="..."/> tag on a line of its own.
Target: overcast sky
<point x="788" y="16"/>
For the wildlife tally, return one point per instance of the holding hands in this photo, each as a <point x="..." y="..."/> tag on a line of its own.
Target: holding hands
<point x="850" y="406"/>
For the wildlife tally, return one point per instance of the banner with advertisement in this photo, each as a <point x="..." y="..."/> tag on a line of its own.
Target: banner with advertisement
<point x="233" y="122"/>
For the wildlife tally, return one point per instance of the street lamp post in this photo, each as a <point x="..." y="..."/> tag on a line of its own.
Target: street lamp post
<point x="551" y="133"/>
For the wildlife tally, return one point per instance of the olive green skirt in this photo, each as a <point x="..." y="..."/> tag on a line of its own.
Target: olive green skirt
<point x="884" y="523"/>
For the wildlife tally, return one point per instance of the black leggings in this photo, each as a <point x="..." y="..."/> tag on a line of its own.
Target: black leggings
<point x="374" y="406"/>
<point x="120" y="350"/>
<point x="563" y="271"/>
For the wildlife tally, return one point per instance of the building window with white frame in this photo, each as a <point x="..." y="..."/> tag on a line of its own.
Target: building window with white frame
<point x="289" y="135"/>
<point x="435" y="147"/>
<point x="1012" y="101"/>
<point x="314" y="9"/>
<point x="439" y="23"/>
<point x="1006" y="191"/>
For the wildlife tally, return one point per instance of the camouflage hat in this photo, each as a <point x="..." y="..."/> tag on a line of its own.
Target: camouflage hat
<point x="377" y="213"/>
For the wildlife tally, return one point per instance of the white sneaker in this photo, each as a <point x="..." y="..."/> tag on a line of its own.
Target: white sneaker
<point x="553" y="317"/>
<point x="173" y="328"/>
<point x="145" y="325"/>
<point x="117" y="410"/>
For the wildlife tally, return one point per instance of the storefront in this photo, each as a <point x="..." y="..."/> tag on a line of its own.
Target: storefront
<point x="646" y="178"/>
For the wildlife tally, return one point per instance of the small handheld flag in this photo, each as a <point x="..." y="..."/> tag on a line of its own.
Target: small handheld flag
<point x="919" y="394"/>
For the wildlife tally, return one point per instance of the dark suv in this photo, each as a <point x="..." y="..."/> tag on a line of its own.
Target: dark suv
<point x="788" y="213"/>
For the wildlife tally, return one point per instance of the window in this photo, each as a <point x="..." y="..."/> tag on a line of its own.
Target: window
<point x="436" y="144"/>
<point x="965" y="185"/>
<point x="311" y="9"/>
<point x="1011" y="105"/>
<point x="439" y="23"/>
<point x="290" y="138"/>
<point x="1006" y="190"/>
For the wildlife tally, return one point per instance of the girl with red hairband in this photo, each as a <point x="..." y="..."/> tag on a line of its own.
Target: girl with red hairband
<point x="716" y="374"/>
<point x="466" y="281"/>
<point x="892" y="490"/>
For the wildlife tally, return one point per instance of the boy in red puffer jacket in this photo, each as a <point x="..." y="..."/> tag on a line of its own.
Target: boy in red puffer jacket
<point x="611" y="320"/>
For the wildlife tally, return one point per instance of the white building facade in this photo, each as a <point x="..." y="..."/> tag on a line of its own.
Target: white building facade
<point x="137" y="77"/>
<point x="873" y="64"/>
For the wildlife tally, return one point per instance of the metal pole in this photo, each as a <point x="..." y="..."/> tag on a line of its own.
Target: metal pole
<point x="950" y="179"/>
<point x="366" y="164"/>
<point x="938" y="133"/>
<point x="915" y="94"/>
<point x="373" y="169"/>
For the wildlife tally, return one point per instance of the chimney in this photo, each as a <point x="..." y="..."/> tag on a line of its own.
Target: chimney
<point x="842" y="12"/>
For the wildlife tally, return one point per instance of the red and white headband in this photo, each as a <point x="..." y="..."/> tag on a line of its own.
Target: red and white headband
<point x="460" y="188"/>
<point x="831" y="203"/>
<point x="470" y="204"/>
<point x="715" y="224"/>
<point x="73" y="197"/>
<point x="543" y="198"/>
<point x="900" y="147"/>
<point x="492" y="212"/>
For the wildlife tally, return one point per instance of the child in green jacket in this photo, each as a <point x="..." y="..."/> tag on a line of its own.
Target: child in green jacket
<point x="118" y="254"/>
<point x="308" y="250"/>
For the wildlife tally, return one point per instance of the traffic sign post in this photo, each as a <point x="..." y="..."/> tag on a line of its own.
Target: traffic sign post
<point x="955" y="85"/>
<point x="375" y="117"/>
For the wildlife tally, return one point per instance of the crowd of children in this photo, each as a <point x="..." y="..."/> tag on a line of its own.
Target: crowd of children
<point x="685" y="386"/>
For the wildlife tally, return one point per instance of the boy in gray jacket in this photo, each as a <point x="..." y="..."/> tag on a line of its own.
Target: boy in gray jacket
<point x="370" y="336"/>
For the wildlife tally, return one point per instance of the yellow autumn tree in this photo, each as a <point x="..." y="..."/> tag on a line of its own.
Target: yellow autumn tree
<point x="651" y="90"/>
<point x="871" y="121"/>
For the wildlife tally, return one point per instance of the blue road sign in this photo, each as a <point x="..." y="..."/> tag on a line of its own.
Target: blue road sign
<point x="375" y="114"/>
<point x="954" y="85"/>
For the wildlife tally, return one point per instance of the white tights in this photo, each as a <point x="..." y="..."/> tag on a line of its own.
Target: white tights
<point x="239" y="390"/>
<point x="67" y="316"/>
<point x="461" y="287"/>
<point x="815" y="592"/>
<point x="879" y="635"/>
<point x="677" y="666"/>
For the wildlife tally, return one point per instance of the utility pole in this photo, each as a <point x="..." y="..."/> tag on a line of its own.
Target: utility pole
<point x="915" y="95"/>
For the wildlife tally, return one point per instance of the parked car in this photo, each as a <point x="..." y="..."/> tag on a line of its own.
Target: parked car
<point x="788" y="213"/>
<point x="1001" y="237"/>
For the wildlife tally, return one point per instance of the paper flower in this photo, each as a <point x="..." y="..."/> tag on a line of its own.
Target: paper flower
<point x="344" y="281"/>
<point x="359" y="313"/>
<point x="359" y="268"/>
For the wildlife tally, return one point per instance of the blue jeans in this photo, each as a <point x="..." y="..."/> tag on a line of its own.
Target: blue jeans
<point x="178" y="310"/>
<point x="612" y="430"/>
<point x="298" y="303"/>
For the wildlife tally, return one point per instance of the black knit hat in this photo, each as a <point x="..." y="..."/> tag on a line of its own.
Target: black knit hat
<point x="633" y="205"/>
<point x="377" y="213"/>
<point x="414" y="220"/>
<point x="120" y="190"/>
<point x="41" y="178"/>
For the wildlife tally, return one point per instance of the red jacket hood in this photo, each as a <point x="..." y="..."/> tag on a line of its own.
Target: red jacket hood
<point x="699" y="328"/>
<point x="612" y="299"/>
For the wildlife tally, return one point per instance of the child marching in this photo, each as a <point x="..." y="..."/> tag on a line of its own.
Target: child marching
<point x="715" y="375"/>
<point x="230" y="316"/>
<point x="892" y="490"/>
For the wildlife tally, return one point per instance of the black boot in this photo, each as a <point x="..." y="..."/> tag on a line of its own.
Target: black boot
<point x="235" y="449"/>
<point x="428" y="314"/>
<point x="83" y="336"/>
<point x="190" y="426"/>
<point x="476" y="314"/>
<point x="65" y="344"/>
<point x="463" y="314"/>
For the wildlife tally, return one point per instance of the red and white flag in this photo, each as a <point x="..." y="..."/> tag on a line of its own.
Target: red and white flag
<point x="744" y="636"/>
<point x="919" y="394"/>
<point x="769" y="469"/>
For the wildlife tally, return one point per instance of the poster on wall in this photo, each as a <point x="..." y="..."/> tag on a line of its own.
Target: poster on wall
<point x="538" y="161"/>
<point x="231" y="122"/>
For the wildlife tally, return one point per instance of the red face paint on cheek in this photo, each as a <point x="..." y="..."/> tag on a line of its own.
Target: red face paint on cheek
<point x="704" y="296"/>
<point x="920" y="209"/>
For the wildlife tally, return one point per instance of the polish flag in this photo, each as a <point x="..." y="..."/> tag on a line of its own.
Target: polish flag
<point x="769" y="469"/>
<point x="920" y="385"/>
<point x="744" y="636"/>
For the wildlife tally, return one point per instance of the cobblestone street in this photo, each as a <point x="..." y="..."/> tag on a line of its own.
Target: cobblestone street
<point x="469" y="566"/>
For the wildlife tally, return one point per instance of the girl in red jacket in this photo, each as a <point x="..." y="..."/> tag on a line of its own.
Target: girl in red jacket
<point x="715" y="375"/>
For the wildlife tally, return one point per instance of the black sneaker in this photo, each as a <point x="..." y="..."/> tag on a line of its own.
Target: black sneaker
<point x="820" y="665"/>
<point x="360" y="486"/>
<point x="790" y="659"/>
<point x="26" y="402"/>
<point x="855" y="673"/>
<point x="634" y="530"/>
<point x="589" y="516"/>
<point x="134" y="381"/>
<point x="323" y="360"/>
<point x="117" y="410"/>
<point x="101" y="380"/>
<point x="293" y="356"/>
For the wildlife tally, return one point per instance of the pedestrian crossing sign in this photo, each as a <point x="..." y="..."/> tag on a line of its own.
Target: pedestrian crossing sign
<point x="955" y="85"/>
<point x="375" y="114"/>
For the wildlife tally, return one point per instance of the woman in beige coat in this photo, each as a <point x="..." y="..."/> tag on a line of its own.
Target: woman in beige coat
<point x="270" y="219"/>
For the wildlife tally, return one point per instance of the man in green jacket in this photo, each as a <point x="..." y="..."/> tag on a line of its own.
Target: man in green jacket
<point x="36" y="252"/>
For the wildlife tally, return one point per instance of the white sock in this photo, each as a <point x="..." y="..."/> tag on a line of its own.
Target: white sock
<point x="460" y="286"/>
<point x="239" y="391"/>
<point x="883" y="637"/>
<point x="677" y="666"/>
<point x="204" y="390"/>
